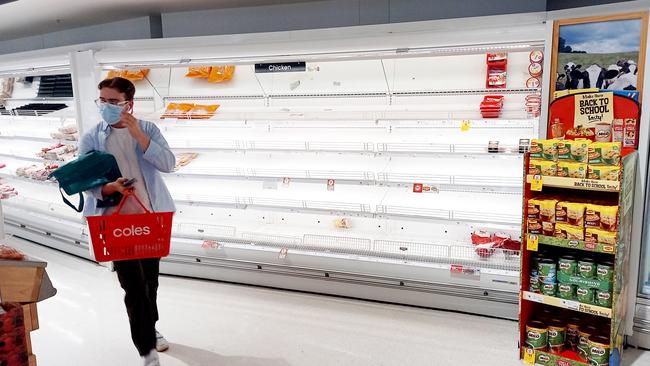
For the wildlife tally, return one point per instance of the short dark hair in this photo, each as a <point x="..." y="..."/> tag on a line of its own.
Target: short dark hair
<point x="120" y="84"/>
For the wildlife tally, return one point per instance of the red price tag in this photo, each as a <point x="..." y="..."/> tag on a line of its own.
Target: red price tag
<point x="418" y="187"/>
<point x="210" y="244"/>
<point x="455" y="268"/>
<point x="590" y="246"/>
<point x="330" y="184"/>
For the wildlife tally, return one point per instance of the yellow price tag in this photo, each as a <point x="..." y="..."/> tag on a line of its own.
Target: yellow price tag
<point x="529" y="356"/>
<point x="537" y="183"/>
<point x="465" y="126"/>
<point x="532" y="242"/>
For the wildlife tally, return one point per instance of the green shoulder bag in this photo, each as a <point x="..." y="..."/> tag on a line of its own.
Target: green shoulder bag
<point x="88" y="171"/>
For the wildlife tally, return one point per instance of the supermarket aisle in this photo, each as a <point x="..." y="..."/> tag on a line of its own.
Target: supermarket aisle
<point x="215" y="324"/>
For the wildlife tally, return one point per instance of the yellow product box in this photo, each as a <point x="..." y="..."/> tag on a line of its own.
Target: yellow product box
<point x="542" y="167"/>
<point x="534" y="209"/>
<point x="603" y="217"/>
<point x="594" y="235"/>
<point x="534" y="226"/>
<point x="570" y="232"/>
<point x="547" y="210"/>
<point x="572" y="213"/>
<point x="571" y="169"/>
<point x="604" y="172"/>
<point x="606" y="153"/>
<point x="544" y="149"/>
<point x="573" y="150"/>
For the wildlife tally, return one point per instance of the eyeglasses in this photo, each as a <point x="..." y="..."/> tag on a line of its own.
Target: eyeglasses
<point x="100" y="102"/>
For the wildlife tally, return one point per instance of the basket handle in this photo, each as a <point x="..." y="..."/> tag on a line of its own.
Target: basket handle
<point x="127" y="194"/>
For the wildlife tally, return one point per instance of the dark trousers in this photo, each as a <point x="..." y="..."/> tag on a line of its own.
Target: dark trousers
<point x="139" y="279"/>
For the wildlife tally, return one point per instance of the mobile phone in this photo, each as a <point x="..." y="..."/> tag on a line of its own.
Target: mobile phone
<point x="129" y="182"/>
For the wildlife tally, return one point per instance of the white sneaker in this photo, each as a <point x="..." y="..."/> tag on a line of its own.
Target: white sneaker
<point x="161" y="343"/>
<point x="151" y="359"/>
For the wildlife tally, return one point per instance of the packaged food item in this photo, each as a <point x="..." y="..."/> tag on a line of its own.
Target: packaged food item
<point x="587" y="268"/>
<point x="573" y="332"/>
<point x="585" y="295"/>
<point x="579" y="149"/>
<point x="603" y="298"/>
<point x="560" y="212"/>
<point x="544" y="149"/>
<point x="200" y="111"/>
<point x="535" y="69"/>
<point x="605" y="271"/>
<point x="547" y="272"/>
<point x="604" y="172"/>
<point x="556" y="335"/>
<point x="569" y="232"/>
<point x="604" y="217"/>
<point x="571" y="169"/>
<point x="534" y="226"/>
<point x="547" y="209"/>
<point x="534" y="283"/>
<point x="542" y="167"/>
<point x="566" y="291"/>
<point x="135" y="75"/>
<point x="496" y="57"/>
<point x="533" y="82"/>
<point x="480" y="237"/>
<point x="596" y="235"/>
<point x="584" y="333"/>
<point x="568" y="265"/>
<point x="548" y="228"/>
<point x="536" y="56"/>
<point x="177" y="110"/>
<point x="607" y="153"/>
<point x="198" y="72"/>
<point x="537" y="335"/>
<point x="549" y="289"/>
<point x="575" y="213"/>
<point x="219" y="74"/>
<point x="599" y="350"/>
<point x="629" y="139"/>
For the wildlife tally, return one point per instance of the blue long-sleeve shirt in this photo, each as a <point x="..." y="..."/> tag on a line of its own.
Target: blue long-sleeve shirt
<point x="158" y="158"/>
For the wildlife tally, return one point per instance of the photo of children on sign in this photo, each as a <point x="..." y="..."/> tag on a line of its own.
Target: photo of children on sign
<point x="601" y="55"/>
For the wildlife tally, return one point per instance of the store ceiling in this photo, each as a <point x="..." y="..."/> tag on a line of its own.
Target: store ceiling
<point x="23" y="18"/>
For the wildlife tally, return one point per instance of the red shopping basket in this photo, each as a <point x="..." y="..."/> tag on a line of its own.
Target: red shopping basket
<point x="119" y="237"/>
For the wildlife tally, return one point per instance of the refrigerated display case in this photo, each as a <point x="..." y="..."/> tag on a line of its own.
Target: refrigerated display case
<point x="364" y="175"/>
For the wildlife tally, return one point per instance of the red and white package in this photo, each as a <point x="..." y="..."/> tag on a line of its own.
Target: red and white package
<point x="480" y="237"/>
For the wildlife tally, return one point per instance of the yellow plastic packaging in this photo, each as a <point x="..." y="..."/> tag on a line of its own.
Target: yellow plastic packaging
<point x="604" y="172"/>
<point x="571" y="169"/>
<point x="534" y="210"/>
<point x="579" y="150"/>
<point x="570" y="232"/>
<point x="198" y="72"/>
<point x="606" y="153"/>
<point x="219" y="74"/>
<point x="542" y="167"/>
<point x="177" y="110"/>
<point x="200" y="111"/>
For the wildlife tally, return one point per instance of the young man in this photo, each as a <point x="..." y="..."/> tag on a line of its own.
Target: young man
<point x="141" y="153"/>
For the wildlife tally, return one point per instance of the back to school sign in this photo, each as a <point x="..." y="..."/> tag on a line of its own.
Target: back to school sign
<point x="592" y="108"/>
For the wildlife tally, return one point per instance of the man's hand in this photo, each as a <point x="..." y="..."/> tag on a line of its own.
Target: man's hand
<point x="117" y="186"/>
<point x="132" y="124"/>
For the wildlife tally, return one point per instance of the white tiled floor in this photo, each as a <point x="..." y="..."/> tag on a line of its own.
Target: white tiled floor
<point x="216" y="324"/>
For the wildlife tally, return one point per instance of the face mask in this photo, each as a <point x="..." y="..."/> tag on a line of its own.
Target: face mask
<point x="110" y="113"/>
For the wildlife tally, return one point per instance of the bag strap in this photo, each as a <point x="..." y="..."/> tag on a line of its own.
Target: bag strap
<point x="67" y="202"/>
<point x="127" y="194"/>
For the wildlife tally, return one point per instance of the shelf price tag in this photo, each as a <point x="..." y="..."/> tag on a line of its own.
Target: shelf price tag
<point x="529" y="356"/>
<point x="532" y="242"/>
<point x="210" y="244"/>
<point x="283" y="253"/>
<point x="465" y="125"/>
<point x="536" y="183"/>
<point x="570" y="304"/>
